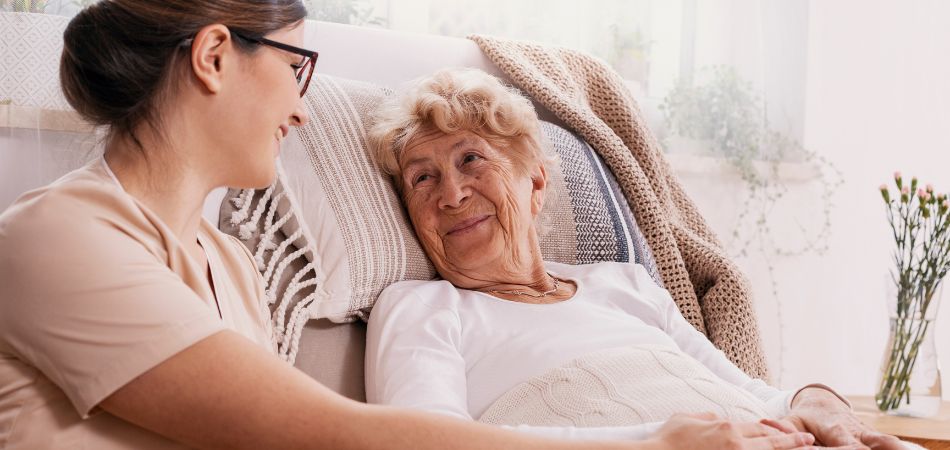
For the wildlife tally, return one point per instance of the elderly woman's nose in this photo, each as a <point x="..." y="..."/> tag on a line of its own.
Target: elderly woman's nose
<point x="452" y="192"/>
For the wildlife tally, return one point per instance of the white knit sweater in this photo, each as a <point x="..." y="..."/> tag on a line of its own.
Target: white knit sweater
<point x="622" y="386"/>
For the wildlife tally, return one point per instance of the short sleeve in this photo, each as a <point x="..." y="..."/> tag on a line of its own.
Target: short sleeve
<point x="86" y="297"/>
<point x="249" y="263"/>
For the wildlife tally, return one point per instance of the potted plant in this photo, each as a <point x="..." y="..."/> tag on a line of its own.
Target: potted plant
<point x="723" y="116"/>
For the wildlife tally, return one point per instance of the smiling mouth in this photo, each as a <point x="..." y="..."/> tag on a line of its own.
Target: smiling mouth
<point x="467" y="224"/>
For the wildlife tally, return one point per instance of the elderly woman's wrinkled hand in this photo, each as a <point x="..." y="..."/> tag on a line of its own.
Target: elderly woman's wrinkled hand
<point x="821" y="413"/>
<point x="707" y="431"/>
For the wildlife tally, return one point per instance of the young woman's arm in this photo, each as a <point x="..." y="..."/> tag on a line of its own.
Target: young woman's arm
<point x="226" y="392"/>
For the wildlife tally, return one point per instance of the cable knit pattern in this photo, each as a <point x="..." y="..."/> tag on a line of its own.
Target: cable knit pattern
<point x="592" y="99"/>
<point x="618" y="387"/>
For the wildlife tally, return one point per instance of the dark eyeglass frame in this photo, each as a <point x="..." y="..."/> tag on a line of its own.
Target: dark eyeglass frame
<point x="307" y="64"/>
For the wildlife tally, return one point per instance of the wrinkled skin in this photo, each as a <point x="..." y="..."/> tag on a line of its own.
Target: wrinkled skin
<point x="819" y="412"/>
<point x="474" y="210"/>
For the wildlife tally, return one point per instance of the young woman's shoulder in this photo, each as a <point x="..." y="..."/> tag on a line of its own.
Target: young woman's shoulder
<point x="79" y="223"/>
<point x="79" y="203"/>
<point x="86" y="279"/>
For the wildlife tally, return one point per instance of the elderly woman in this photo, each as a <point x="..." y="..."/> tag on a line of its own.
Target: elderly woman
<point x="508" y="338"/>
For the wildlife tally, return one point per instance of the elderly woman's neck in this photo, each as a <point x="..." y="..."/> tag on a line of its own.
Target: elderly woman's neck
<point x="525" y="281"/>
<point x="533" y="277"/>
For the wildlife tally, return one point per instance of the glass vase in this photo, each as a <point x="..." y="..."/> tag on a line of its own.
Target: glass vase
<point x="910" y="383"/>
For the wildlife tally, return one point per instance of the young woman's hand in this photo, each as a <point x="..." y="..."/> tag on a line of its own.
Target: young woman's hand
<point x="707" y="431"/>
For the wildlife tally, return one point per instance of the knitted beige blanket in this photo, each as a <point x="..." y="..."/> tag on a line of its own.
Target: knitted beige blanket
<point x="592" y="99"/>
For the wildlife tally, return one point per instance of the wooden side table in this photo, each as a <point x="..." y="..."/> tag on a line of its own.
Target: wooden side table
<point x="932" y="433"/>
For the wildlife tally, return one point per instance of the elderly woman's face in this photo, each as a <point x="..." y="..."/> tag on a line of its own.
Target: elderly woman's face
<point x="472" y="208"/>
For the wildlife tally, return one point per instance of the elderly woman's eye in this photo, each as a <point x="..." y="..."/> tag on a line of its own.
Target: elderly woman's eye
<point x="471" y="157"/>
<point x="420" y="179"/>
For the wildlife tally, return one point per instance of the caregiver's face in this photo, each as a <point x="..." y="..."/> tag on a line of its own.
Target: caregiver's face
<point x="467" y="201"/>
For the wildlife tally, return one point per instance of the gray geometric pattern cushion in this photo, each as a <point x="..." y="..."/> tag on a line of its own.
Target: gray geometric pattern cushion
<point x="604" y="225"/>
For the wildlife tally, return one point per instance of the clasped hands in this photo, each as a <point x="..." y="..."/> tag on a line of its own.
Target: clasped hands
<point x="817" y="419"/>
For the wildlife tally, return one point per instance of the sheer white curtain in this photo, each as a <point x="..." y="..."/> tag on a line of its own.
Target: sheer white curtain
<point x="744" y="64"/>
<point x="862" y="86"/>
<point x="40" y="139"/>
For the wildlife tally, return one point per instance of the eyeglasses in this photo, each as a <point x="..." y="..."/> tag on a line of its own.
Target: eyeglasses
<point x="303" y="70"/>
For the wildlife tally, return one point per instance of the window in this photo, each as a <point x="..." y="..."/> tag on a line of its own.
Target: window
<point x="652" y="43"/>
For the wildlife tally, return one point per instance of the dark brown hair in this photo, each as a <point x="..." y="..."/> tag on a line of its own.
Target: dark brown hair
<point x="120" y="56"/>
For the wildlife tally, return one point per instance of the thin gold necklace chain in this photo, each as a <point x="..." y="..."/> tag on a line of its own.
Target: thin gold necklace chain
<point x="528" y="294"/>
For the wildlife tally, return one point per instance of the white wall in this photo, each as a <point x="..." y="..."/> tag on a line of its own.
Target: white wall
<point x="877" y="100"/>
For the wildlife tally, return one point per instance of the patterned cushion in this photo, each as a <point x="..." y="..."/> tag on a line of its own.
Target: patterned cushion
<point x="335" y="220"/>
<point x="603" y="223"/>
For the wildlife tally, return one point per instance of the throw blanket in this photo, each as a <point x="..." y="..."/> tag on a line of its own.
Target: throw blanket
<point x="592" y="99"/>
<point x="623" y="386"/>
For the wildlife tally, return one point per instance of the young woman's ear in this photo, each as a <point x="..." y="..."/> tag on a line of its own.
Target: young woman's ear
<point x="208" y="50"/>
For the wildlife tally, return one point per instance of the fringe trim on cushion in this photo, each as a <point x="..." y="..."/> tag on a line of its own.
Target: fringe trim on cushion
<point x="242" y="201"/>
<point x="265" y="214"/>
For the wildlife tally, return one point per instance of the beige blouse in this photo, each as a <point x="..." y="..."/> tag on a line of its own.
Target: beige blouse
<point x="94" y="291"/>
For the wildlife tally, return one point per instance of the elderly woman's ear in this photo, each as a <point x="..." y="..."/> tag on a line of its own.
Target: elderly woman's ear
<point x="539" y="184"/>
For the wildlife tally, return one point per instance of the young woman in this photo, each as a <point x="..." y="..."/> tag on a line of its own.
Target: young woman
<point x="127" y="321"/>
